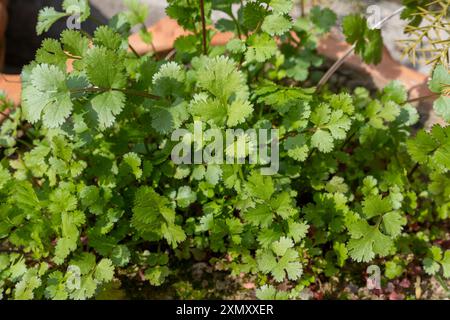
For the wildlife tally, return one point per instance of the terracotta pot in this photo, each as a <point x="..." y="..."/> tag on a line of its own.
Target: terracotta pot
<point x="166" y="31"/>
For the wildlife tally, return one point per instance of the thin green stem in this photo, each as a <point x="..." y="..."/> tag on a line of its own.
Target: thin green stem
<point x="434" y="95"/>
<point x="411" y="172"/>
<point x="126" y="91"/>
<point x="341" y="60"/>
<point x="236" y="22"/>
<point x="6" y="115"/>
<point x="134" y="51"/>
<point x="261" y="21"/>
<point x="442" y="283"/>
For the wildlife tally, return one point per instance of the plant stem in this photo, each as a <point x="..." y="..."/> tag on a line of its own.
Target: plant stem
<point x="422" y="98"/>
<point x="349" y="138"/>
<point x="442" y="283"/>
<point x="261" y="21"/>
<point x="202" y="13"/>
<point x="236" y="22"/>
<point x="6" y="116"/>
<point x="134" y="51"/>
<point x="302" y="7"/>
<point x="310" y="154"/>
<point x="334" y="68"/>
<point x="126" y="91"/>
<point x="25" y="143"/>
<point x="411" y="172"/>
<point x="341" y="60"/>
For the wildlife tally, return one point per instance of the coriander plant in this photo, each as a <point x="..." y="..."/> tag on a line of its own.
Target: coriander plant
<point x="90" y="195"/>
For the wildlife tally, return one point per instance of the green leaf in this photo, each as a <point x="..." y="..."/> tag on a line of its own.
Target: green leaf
<point x="323" y="18"/>
<point x="268" y="236"/>
<point x="341" y="253"/>
<point x="393" y="223"/>
<point x="47" y="97"/>
<point x="297" y="230"/>
<point x="52" y="53"/>
<point x="430" y="266"/>
<point x="445" y="262"/>
<point x="281" y="246"/>
<point x="62" y="200"/>
<point x="287" y="265"/>
<point x="442" y="107"/>
<point x="275" y="24"/>
<point x="47" y="17"/>
<point x="282" y="205"/>
<point x="208" y="109"/>
<point x="63" y="248"/>
<point x="213" y="174"/>
<point x="375" y="205"/>
<point x="440" y="79"/>
<point x="261" y="215"/>
<point x="174" y="234"/>
<point x="393" y="270"/>
<point x="368" y="42"/>
<point x="167" y="119"/>
<point x="260" y="186"/>
<point x="25" y="197"/>
<point x="236" y="46"/>
<point x="85" y="262"/>
<point x="134" y="162"/>
<point x="149" y="208"/>
<point x="372" y="51"/>
<point x="395" y="91"/>
<point x="220" y="77"/>
<point x="432" y="149"/>
<point x="185" y="196"/>
<point x="421" y="147"/>
<point x="336" y="185"/>
<point x="261" y="47"/>
<point x="104" y="68"/>
<point x="107" y="37"/>
<point x="5" y="176"/>
<point x="252" y="14"/>
<point x="137" y="12"/>
<point x="120" y="256"/>
<point x="74" y="42"/>
<point x="354" y="27"/>
<point x="367" y="241"/>
<point x="24" y="289"/>
<point x="266" y="292"/>
<point x="108" y="105"/>
<point x="79" y="7"/>
<point x="104" y="271"/>
<point x="238" y="112"/>
<point x="281" y="6"/>
<point x="157" y="275"/>
<point x="154" y="217"/>
<point x="323" y="141"/>
<point x="297" y="147"/>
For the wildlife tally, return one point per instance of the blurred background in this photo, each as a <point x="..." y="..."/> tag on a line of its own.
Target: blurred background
<point x="19" y="41"/>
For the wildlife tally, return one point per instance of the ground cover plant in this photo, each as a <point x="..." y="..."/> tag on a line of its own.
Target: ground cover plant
<point x="91" y="199"/>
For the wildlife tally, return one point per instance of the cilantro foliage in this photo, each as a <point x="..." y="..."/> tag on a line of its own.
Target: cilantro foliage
<point x="89" y="193"/>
